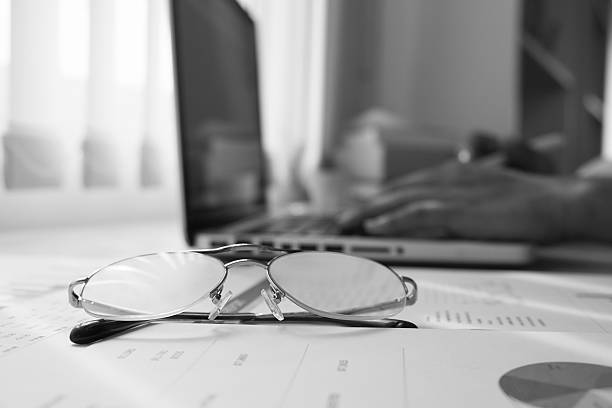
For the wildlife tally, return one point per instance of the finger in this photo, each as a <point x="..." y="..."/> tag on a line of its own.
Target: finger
<point x="426" y="218"/>
<point x="430" y="176"/>
<point x="353" y="218"/>
<point x="503" y="224"/>
<point x="454" y="174"/>
<point x="427" y="233"/>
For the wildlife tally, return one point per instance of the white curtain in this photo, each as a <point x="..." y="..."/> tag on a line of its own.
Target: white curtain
<point x="292" y="45"/>
<point x="5" y="44"/>
<point x="87" y="110"/>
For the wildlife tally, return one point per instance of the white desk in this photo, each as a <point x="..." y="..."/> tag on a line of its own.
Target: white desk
<point x="280" y="365"/>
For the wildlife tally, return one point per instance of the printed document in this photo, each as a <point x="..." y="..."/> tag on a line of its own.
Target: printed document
<point x="549" y="326"/>
<point x="228" y="366"/>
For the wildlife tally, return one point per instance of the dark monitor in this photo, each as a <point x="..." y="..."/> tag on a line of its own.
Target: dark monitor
<point x="217" y="101"/>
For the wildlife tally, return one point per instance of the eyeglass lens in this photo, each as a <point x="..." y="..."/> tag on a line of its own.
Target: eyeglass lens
<point x="159" y="285"/>
<point x="339" y="284"/>
<point x="151" y="286"/>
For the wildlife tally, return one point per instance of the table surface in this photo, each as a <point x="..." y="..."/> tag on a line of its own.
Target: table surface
<point x="446" y="359"/>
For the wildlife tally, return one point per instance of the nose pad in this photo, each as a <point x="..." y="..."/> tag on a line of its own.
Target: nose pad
<point x="272" y="299"/>
<point x="219" y="305"/>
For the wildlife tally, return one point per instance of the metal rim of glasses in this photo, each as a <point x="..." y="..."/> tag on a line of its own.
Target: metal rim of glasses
<point x="75" y="299"/>
<point x="408" y="299"/>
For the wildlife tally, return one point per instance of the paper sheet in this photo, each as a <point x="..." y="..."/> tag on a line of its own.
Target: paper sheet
<point x="33" y="298"/>
<point x="26" y="277"/>
<point x="34" y="302"/>
<point x="291" y="366"/>
<point x="496" y="300"/>
<point x="35" y="306"/>
<point x="505" y="300"/>
<point x="282" y="365"/>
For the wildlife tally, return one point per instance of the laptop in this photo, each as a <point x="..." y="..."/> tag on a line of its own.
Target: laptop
<point x="224" y="172"/>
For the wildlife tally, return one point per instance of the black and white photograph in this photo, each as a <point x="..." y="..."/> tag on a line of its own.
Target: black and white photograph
<point x="305" y="203"/>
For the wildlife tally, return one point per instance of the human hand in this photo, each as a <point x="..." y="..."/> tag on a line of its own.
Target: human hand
<point x="472" y="201"/>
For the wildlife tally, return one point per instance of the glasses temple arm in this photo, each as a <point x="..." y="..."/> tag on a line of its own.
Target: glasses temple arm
<point x="96" y="330"/>
<point x="411" y="297"/>
<point x="109" y="327"/>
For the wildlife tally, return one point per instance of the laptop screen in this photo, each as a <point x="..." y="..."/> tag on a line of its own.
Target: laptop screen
<point x="218" y="112"/>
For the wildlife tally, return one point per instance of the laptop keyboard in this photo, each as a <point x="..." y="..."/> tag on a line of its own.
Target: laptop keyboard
<point x="307" y="224"/>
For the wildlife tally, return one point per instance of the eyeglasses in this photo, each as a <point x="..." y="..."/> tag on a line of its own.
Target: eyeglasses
<point x="163" y="286"/>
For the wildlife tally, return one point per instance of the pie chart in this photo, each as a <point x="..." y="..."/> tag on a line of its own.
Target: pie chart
<point x="559" y="385"/>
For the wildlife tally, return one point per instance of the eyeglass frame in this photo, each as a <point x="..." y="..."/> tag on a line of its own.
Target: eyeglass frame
<point x="215" y="294"/>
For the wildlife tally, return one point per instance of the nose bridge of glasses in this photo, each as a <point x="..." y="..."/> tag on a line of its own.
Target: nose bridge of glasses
<point x="246" y="262"/>
<point x="240" y="247"/>
<point x="216" y="293"/>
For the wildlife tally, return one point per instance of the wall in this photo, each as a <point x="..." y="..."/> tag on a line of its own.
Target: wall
<point x="400" y="53"/>
<point x="451" y="63"/>
<point x="352" y="79"/>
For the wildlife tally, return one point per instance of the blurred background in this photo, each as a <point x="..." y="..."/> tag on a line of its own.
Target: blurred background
<point x="366" y="89"/>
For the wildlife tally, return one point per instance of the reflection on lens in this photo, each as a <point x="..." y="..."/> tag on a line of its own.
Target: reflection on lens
<point x="151" y="286"/>
<point x="339" y="284"/>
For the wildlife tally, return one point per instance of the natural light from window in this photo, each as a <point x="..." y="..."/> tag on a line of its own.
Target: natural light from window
<point x="74" y="38"/>
<point x="5" y="38"/>
<point x="130" y="41"/>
